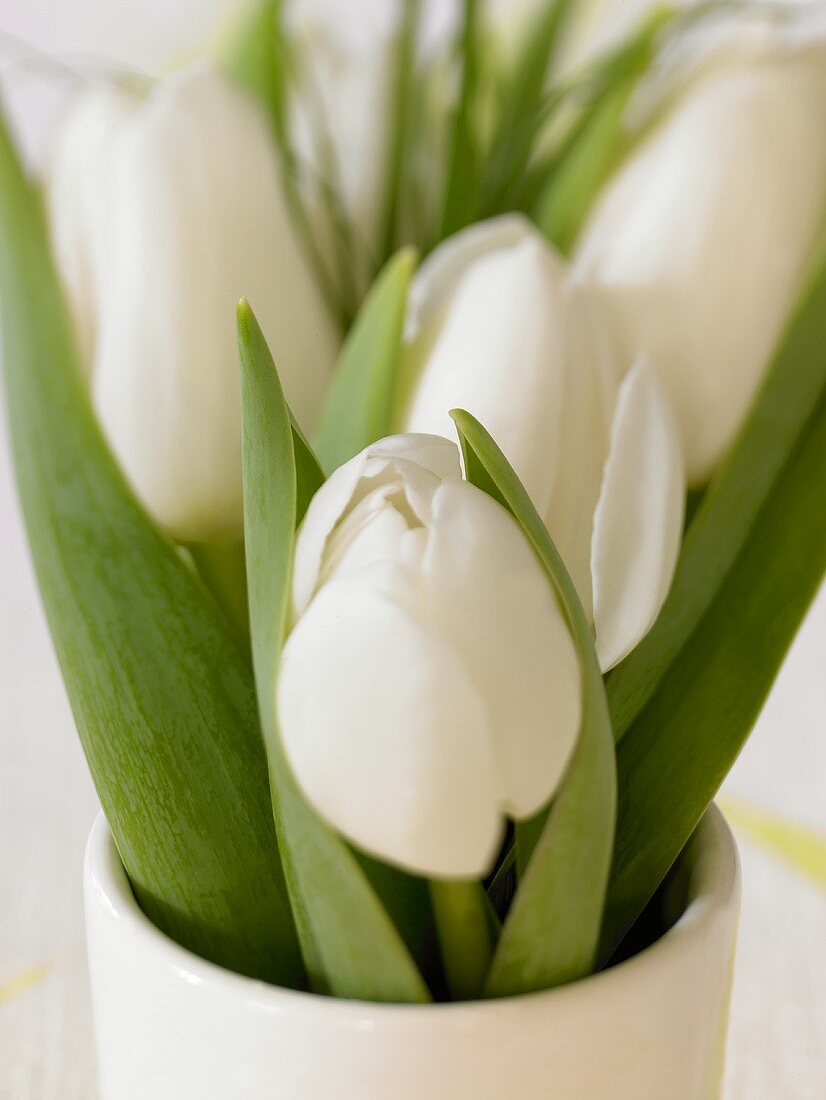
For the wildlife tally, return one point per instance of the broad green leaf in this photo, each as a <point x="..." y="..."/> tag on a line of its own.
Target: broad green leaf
<point x="463" y="178"/>
<point x="706" y="699"/>
<point x="399" y="123"/>
<point x="359" y="405"/>
<point x="551" y="932"/>
<point x="724" y="521"/>
<point x="163" y="698"/>
<point x="351" y="946"/>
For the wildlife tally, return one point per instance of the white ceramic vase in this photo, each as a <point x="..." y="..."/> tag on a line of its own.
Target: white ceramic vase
<point x="171" y="1026"/>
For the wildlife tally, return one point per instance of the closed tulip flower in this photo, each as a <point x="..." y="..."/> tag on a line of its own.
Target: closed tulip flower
<point x="700" y="242"/>
<point x="429" y="685"/>
<point x="165" y="209"/>
<point x="495" y="326"/>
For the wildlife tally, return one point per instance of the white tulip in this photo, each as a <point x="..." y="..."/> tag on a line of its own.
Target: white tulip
<point x="699" y="244"/>
<point x="496" y="327"/>
<point x="79" y="192"/>
<point x="165" y="209"/>
<point x="429" y="685"/>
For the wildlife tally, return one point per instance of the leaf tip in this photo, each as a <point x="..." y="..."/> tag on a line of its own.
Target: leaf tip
<point x="249" y="331"/>
<point x="462" y="419"/>
<point x="243" y="314"/>
<point x="408" y="258"/>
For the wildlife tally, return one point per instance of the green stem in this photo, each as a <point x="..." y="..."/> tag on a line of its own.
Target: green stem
<point x="222" y="568"/>
<point x="464" y="925"/>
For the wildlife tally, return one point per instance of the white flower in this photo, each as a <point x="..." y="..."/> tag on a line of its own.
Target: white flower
<point x="166" y="209"/>
<point x="429" y="685"/>
<point x="700" y="242"/>
<point x="495" y="327"/>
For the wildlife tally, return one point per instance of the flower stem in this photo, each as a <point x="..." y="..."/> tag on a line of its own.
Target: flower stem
<point x="464" y="925"/>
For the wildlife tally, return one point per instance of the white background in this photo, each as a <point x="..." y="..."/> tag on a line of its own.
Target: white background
<point x="778" y="1040"/>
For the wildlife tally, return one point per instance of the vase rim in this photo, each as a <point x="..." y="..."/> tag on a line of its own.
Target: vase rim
<point x="713" y="888"/>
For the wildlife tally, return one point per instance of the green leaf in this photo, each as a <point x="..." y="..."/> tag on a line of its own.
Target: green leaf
<point x="503" y="884"/>
<point x="579" y="124"/>
<point x="399" y="122"/>
<point x="520" y="111"/>
<point x="463" y="179"/>
<point x="163" y="699"/>
<point x="407" y="901"/>
<point x="254" y="55"/>
<point x="359" y="405"/>
<point x="551" y="933"/>
<point x="581" y="171"/>
<point x="351" y="946"/>
<point x="760" y="534"/>
<point x="308" y="472"/>
<point x="724" y="521"/>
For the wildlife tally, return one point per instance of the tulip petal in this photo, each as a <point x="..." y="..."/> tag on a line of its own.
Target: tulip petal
<point x="387" y="735"/>
<point x="432" y="454"/>
<point x="700" y="242"/>
<point x="498" y="349"/>
<point x="639" y="518"/>
<point x="371" y="532"/>
<point x="197" y="217"/>
<point x="440" y="275"/>
<point x="77" y="193"/>
<point x="591" y="382"/>
<point x="489" y="597"/>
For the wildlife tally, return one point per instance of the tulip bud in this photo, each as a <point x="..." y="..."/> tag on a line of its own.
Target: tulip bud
<point x="165" y="209"/>
<point x="429" y="685"/>
<point x="495" y="327"/>
<point x="699" y="244"/>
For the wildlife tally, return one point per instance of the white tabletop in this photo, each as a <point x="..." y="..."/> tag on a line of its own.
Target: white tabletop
<point x="775" y="796"/>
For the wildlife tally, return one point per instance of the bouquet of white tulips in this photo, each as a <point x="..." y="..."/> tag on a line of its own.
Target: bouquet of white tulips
<point x="407" y="660"/>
